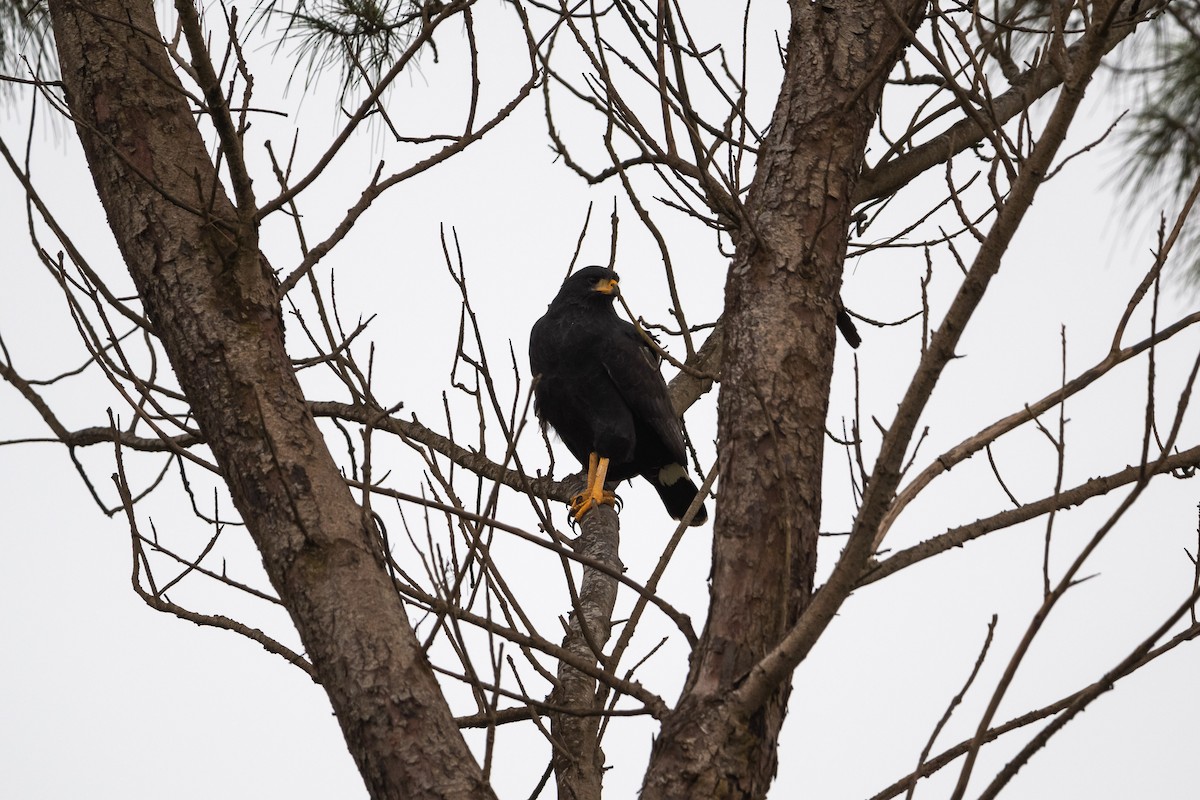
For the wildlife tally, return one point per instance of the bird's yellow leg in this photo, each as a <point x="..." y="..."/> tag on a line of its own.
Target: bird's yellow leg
<point x="593" y="462"/>
<point x="593" y="493"/>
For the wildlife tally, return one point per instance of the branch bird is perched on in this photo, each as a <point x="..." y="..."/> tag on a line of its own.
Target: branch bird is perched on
<point x="596" y="382"/>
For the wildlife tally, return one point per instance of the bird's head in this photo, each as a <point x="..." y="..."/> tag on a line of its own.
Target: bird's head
<point x="591" y="283"/>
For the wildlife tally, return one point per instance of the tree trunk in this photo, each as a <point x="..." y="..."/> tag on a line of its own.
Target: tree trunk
<point x="780" y="309"/>
<point x="579" y="764"/>
<point x="212" y="299"/>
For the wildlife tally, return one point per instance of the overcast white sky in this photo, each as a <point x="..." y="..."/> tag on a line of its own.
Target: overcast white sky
<point x="102" y="697"/>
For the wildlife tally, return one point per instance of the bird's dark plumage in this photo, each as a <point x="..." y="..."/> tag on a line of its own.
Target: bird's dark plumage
<point x="596" y="382"/>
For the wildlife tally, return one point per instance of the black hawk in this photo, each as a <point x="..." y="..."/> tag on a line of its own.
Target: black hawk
<point x="596" y="382"/>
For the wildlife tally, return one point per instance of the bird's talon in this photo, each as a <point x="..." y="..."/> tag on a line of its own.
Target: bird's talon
<point x="578" y="506"/>
<point x="585" y="502"/>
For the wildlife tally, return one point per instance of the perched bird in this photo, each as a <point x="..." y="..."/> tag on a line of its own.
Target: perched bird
<point x="596" y="382"/>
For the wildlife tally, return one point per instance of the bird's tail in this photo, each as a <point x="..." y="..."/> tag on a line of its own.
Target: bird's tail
<point x="677" y="491"/>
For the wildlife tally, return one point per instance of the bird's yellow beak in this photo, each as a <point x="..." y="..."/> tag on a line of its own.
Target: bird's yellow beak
<point x="607" y="287"/>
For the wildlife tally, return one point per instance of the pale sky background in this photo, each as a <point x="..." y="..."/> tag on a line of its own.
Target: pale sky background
<point x="101" y="697"/>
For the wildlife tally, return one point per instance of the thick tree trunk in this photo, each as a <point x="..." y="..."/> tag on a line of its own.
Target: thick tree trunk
<point x="779" y="323"/>
<point x="211" y="297"/>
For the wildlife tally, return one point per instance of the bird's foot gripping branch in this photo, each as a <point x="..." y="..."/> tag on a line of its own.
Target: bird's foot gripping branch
<point x="594" y="493"/>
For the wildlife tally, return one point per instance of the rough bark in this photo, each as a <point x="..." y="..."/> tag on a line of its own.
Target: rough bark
<point x="579" y="764"/>
<point x="211" y="297"/>
<point x="779" y="325"/>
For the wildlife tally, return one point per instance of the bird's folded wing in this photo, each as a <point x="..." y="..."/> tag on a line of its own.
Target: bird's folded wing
<point x="630" y="364"/>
